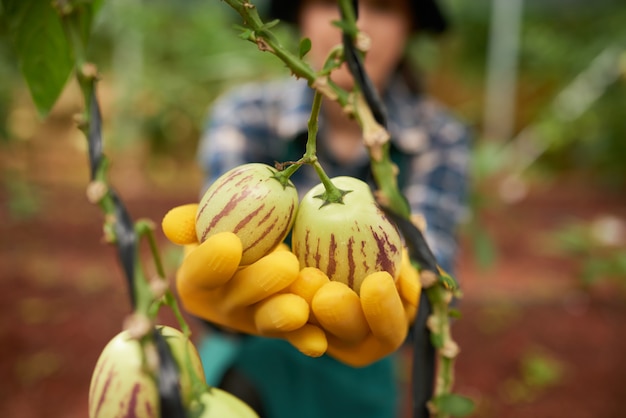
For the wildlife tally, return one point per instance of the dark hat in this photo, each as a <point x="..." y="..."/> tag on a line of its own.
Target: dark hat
<point x="427" y="15"/>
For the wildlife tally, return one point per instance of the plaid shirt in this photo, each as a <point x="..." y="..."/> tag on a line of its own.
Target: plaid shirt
<point x="267" y="122"/>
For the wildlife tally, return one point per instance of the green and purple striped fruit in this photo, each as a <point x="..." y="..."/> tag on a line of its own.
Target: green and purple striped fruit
<point x="346" y="240"/>
<point x="121" y="386"/>
<point x="217" y="403"/>
<point x="254" y="204"/>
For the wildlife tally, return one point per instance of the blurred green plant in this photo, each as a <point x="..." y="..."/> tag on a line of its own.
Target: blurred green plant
<point x="158" y="66"/>
<point x="558" y="41"/>
<point x="22" y="199"/>
<point x="163" y="64"/>
<point x="599" y="248"/>
<point x="539" y="370"/>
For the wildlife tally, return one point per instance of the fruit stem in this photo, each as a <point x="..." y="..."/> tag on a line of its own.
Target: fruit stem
<point x="332" y="193"/>
<point x="310" y="154"/>
<point x="145" y="227"/>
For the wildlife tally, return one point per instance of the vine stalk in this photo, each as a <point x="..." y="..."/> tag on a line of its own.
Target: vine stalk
<point x="146" y="296"/>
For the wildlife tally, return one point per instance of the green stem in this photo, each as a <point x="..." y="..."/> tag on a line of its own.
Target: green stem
<point x="385" y="175"/>
<point x="143" y="294"/>
<point x="310" y="154"/>
<point x="170" y="301"/>
<point x="349" y="18"/>
<point x="144" y="297"/>
<point x="86" y="79"/>
<point x="332" y="194"/>
<point x="145" y="228"/>
<point x="447" y="348"/>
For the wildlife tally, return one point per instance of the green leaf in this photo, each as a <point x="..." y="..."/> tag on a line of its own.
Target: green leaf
<point x="247" y="35"/>
<point x="447" y="281"/>
<point x="345" y="27"/>
<point x="305" y="47"/>
<point x="42" y="49"/>
<point x="271" y="24"/>
<point x="44" y="53"/>
<point x="455" y="313"/>
<point x="453" y="404"/>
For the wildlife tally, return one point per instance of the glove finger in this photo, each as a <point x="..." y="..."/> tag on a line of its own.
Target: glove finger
<point x="309" y="340"/>
<point x="281" y="312"/>
<point x="263" y="278"/>
<point x="383" y="309"/>
<point x="179" y="224"/>
<point x="309" y="281"/>
<point x="408" y="282"/>
<point x="366" y="352"/>
<point x="212" y="263"/>
<point x="206" y="304"/>
<point x="338" y="310"/>
<point x="410" y="312"/>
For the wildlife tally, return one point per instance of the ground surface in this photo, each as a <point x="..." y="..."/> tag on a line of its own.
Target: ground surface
<point x="532" y="344"/>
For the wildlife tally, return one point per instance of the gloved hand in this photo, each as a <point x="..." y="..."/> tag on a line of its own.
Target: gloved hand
<point x="273" y="297"/>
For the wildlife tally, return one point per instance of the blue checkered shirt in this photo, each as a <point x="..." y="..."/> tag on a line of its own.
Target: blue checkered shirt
<point x="267" y="122"/>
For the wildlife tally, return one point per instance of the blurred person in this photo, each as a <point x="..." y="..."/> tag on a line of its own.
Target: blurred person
<point x="267" y="122"/>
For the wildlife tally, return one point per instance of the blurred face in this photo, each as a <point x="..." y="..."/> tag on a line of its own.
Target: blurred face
<point x="387" y="22"/>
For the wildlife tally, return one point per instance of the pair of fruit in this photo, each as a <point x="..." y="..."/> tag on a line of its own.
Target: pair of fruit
<point x="347" y="289"/>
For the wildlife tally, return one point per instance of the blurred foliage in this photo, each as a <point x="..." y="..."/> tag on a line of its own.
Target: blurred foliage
<point x="9" y="73"/>
<point x="539" y="370"/>
<point x="164" y="62"/>
<point x="559" y="40"/>
<point x="599" y="247"/>
<point x="168" y="62"/>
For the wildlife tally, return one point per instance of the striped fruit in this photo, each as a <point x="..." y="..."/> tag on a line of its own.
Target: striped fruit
<point x="216" y="403"/>
<point x="348" y="240"/>
<point x="252" y="202"/>
<point x="121" y="386"/>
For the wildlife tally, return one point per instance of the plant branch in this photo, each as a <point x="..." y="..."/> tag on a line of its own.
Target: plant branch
<point x="261" y="35"/>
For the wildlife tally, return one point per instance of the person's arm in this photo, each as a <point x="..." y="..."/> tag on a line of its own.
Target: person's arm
<point x="438" y="186"/>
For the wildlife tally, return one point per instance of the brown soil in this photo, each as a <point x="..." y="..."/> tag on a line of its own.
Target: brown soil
<point x="63" y="295"/>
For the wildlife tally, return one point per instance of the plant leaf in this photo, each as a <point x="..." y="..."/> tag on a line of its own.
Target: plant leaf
<point x="271" y="24"/>
<point x="455" y="313"/>
<point x="42" y="49"/>
<point x="305" y="47"/>
<point x="453" y="404"/>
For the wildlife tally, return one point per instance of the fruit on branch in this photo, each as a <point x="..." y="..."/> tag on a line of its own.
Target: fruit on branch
<point x="124" y="384"/>
<point x="253" y="201"/>
<point x="347" y="240"/>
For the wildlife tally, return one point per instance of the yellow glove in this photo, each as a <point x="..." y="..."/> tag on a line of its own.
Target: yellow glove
<point x="362" y="329"/>
<point x="273" y="297"/>
<point x="253" y="299"/>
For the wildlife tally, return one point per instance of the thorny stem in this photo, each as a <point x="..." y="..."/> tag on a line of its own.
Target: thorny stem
<point x="146" y="303"/>
<point x="266" y="41"/>
<point x="446" y="348"/>
<point x="145" y="227"/>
